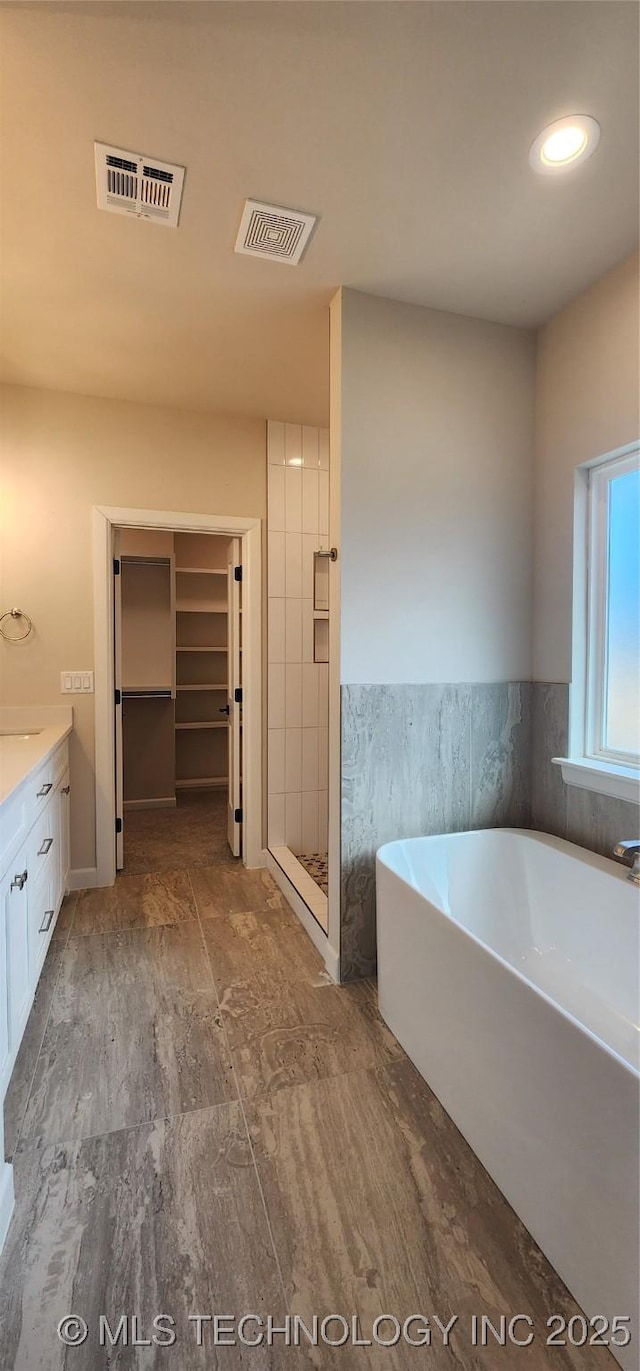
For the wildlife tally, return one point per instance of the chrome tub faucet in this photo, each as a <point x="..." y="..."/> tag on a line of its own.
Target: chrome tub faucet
<point x="629" y="850"/>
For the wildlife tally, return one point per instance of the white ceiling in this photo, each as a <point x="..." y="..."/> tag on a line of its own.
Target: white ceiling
<point x="406" y="127"/>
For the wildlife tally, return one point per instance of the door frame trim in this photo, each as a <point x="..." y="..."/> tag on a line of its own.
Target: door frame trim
<point x="105" y="519"/>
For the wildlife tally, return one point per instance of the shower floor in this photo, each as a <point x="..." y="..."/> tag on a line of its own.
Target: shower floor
<point x="317" y="865"/>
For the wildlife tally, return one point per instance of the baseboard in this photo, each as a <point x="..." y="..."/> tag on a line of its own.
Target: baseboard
<point x="167" y="802"/>
<point x="332" y="962"/>
<point x="311" y="926"/>
<point x="83" y="878"/>
<point x="259" y="863"/>
<point x="7" y="1200"/>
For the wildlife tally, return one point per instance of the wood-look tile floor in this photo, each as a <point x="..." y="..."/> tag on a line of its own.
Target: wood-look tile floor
<point x="201" y="1123"/>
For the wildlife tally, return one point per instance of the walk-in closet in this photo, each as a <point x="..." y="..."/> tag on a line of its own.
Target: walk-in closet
<point x="178" y="694"/>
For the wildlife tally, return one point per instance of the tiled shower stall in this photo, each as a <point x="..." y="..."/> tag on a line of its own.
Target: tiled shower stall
<point x="298" y="528"/>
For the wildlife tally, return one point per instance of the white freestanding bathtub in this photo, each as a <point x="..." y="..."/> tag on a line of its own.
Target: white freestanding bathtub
<point x="508" y="969"/>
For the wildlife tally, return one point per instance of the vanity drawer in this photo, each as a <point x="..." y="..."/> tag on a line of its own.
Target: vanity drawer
<point x="46" y="779"/>
<point x="44" y="839"/>
<point x="42" y="918"/>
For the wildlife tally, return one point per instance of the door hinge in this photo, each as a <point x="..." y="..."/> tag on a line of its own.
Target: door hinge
<point x="237" y="573"/>
<point x="118" y="697"/>
<point x="118" y="825"/>
<point x="237" y="695"/>
<point x="237" y="816"/>
<point x="116" y="566"/>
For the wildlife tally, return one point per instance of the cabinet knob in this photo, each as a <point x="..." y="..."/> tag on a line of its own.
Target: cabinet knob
<point x="46" y="922"/>
<point x="44" y="790"/>
<point x="19" y="880"/>
<point x="47" y="844"/>
<point x="66" y="789"/>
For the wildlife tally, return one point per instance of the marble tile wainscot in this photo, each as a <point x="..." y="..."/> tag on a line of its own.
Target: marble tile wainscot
<point x="592" y="820"/>
<point x="421" y="759"/>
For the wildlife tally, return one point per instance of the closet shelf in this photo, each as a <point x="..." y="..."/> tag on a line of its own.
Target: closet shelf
<point x="192" y="607"/>
<point x="214" y="723"/>
<point x="201" y="571"/>
<point x="156" y="692"/>
<point x="193" y="782"/>
<point x="200" y="731"/>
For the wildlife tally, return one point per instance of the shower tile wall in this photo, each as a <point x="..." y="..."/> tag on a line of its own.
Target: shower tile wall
<point x="298" y="710"/>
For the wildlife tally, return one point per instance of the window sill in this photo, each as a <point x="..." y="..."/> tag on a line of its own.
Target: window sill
<point x="606" y="778"/>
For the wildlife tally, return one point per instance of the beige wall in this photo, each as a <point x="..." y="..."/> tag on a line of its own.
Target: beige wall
<point x="61" y="454"/>
<point x="587" y="405"/>
<point x="436" y="440"/>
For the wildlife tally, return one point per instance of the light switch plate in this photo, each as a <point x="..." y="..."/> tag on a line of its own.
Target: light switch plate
<point x="76" y="683"/>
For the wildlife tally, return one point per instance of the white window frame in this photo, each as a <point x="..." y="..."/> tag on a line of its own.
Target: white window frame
<point x="600" y="478"/>
<point x="590" y="764"/>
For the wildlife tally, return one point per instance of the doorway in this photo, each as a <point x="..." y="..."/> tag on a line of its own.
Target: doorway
<point x="169" y="758"/>
<point x="178" y="698"/>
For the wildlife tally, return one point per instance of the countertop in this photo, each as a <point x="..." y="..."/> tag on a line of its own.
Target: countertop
<point x="21" y="756"/>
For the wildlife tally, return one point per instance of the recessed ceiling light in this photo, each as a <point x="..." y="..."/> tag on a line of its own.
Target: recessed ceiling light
<point x="564" y="143"/>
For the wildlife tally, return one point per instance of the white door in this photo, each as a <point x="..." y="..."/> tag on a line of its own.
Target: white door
<point x="117" y="650"/>
<point x="234" y="700"/>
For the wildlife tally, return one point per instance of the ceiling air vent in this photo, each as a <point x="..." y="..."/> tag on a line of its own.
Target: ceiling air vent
<point x="130" y="183"/>
<point x="270" y="231"/>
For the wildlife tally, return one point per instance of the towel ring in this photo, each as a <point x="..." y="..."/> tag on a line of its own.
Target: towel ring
<point x="15" y="614"/>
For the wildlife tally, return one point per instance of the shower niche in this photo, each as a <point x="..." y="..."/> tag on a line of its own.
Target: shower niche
<point x="321" y="560"/>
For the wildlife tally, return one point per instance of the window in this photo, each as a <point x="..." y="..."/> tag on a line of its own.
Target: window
<point x="604" y="745"/>
<point x="613" y="631"/>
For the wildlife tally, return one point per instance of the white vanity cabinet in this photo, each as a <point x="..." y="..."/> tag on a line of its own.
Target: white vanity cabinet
<point x="35" y="869"/>
<point x="16" y="937"/>
<point x="34" y="873"/>
<point x="14" y="963"/>
<point x="4" y="1019"/>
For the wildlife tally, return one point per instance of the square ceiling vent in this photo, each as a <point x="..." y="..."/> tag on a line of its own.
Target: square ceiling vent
<point x="130" y="183"/>
<point x="271" y="231"/>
